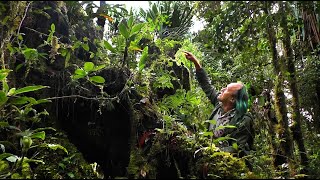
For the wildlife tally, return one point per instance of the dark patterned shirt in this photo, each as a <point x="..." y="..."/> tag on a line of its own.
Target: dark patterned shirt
<point x="244" y="124"/>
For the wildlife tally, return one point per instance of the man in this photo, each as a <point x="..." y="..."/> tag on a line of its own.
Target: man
<point x="231" y="105"/>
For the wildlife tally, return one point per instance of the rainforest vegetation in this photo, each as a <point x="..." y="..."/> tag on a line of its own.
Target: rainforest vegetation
<point x="94" y="90"/>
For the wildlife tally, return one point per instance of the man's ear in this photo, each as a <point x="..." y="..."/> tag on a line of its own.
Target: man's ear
<point x="233" y="100"/>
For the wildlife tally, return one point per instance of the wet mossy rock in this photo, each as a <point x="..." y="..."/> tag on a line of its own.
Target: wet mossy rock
<point x="61" y="163"/>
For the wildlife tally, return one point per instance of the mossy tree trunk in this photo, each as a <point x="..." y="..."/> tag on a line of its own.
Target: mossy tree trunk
<point x="296" y="117"/>
<point x="285" y="154"/>
<point x="12" y="16"/>
<point x="271" y="123"/>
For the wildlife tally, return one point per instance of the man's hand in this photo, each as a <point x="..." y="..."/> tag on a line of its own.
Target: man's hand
<point x="192" y="58"/>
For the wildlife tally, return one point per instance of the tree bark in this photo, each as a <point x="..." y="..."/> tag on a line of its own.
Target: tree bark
<point x="101" y="21"/>
<point x="296" y="117"/>
<point x="285" y="154"/>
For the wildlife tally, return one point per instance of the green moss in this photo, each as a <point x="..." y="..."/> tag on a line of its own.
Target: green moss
<point x="4" y="166"/>
<point x="139" y="167"/>
<point x="179" y="147"/>
<point x="26" y="171"/>
<point x="220" y="165"/>
<point x="59" y="165"/>
<point x="17" y="176"/>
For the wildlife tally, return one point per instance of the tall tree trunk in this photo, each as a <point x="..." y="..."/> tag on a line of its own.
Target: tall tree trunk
<point x="286" y="146"/>
<point x="15" y="13"/>
<point x="296" y="117"/>
<point x="101" y="21"/>
<point x="271" y="123"/>
<point x="316" y="108"/>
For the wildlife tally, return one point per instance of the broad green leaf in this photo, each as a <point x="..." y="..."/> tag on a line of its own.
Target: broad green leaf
<point x="20" y="37"/>
<point x="32" y="100"/>
<point x="97" y="79"/>
<point x="12" y="158"/>
<point x="5" y="86"/>
<point x="4" y="73"/>
<point x="80" y="72"/>
<point x="124" y="30"/>
<point x="5" y="155"/>
<point x="91" y="55"/>
<point x="77" y="76"/>
<point x="53" y="28"/>
<point x="3" y="98"/>
<point x="70" y="174"/>
<point x="85" y="47"/>
<point x="223" y="127"/>
<point x="235" y="145"/>
<point x="57" y="146"/>
<point x="99" y="67"/>
<point x="30" y="54"/>
<point x="208" y="133"/>
<point x="223" y="139"/>
<point x="155" y="10"/>
<point x="11" y="91"/>
<point x="213" y="121"/>
<point x="76" y="45"/>
<point x="132" y="37"/>
<point x="66" y="64"/>
<point x="18" y="67"/>
<point x="130" y="21"/>
<point x="63" y="51"/>
<point x="109" y="47"/>
<point x="136" y="28"/>
<point x="62" y="165"/>
<point x="2" y="147"/>
<point x="3" y="124"/>
<point x="39" y="135"/>
<point x="46" y="128"/>
<point x="134" y="48"/>
<point x="29" y="88"/>
<point x="20" y="100"/>
<point x="34" y="160"/>
<point x="143" y="58"/>
<point x="88" y="66"/>
<point x="43" y="101"/>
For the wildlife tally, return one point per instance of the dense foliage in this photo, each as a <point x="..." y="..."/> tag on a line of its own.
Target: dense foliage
<point x="113" y="57"/>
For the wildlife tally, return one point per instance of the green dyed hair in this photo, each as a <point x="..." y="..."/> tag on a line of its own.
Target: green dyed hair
<point x="242" y="100"/>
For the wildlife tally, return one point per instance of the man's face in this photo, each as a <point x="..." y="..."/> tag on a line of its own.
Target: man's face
<point x="228" y="93"/>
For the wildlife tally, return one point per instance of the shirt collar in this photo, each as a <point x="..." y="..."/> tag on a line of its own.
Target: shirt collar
<point x="230" y="113"/>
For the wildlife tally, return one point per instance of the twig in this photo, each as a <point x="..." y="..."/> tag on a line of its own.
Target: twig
<point x="83" y="97"/>
<point x="24" y="16"/>
<point x="37" y="31"/>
